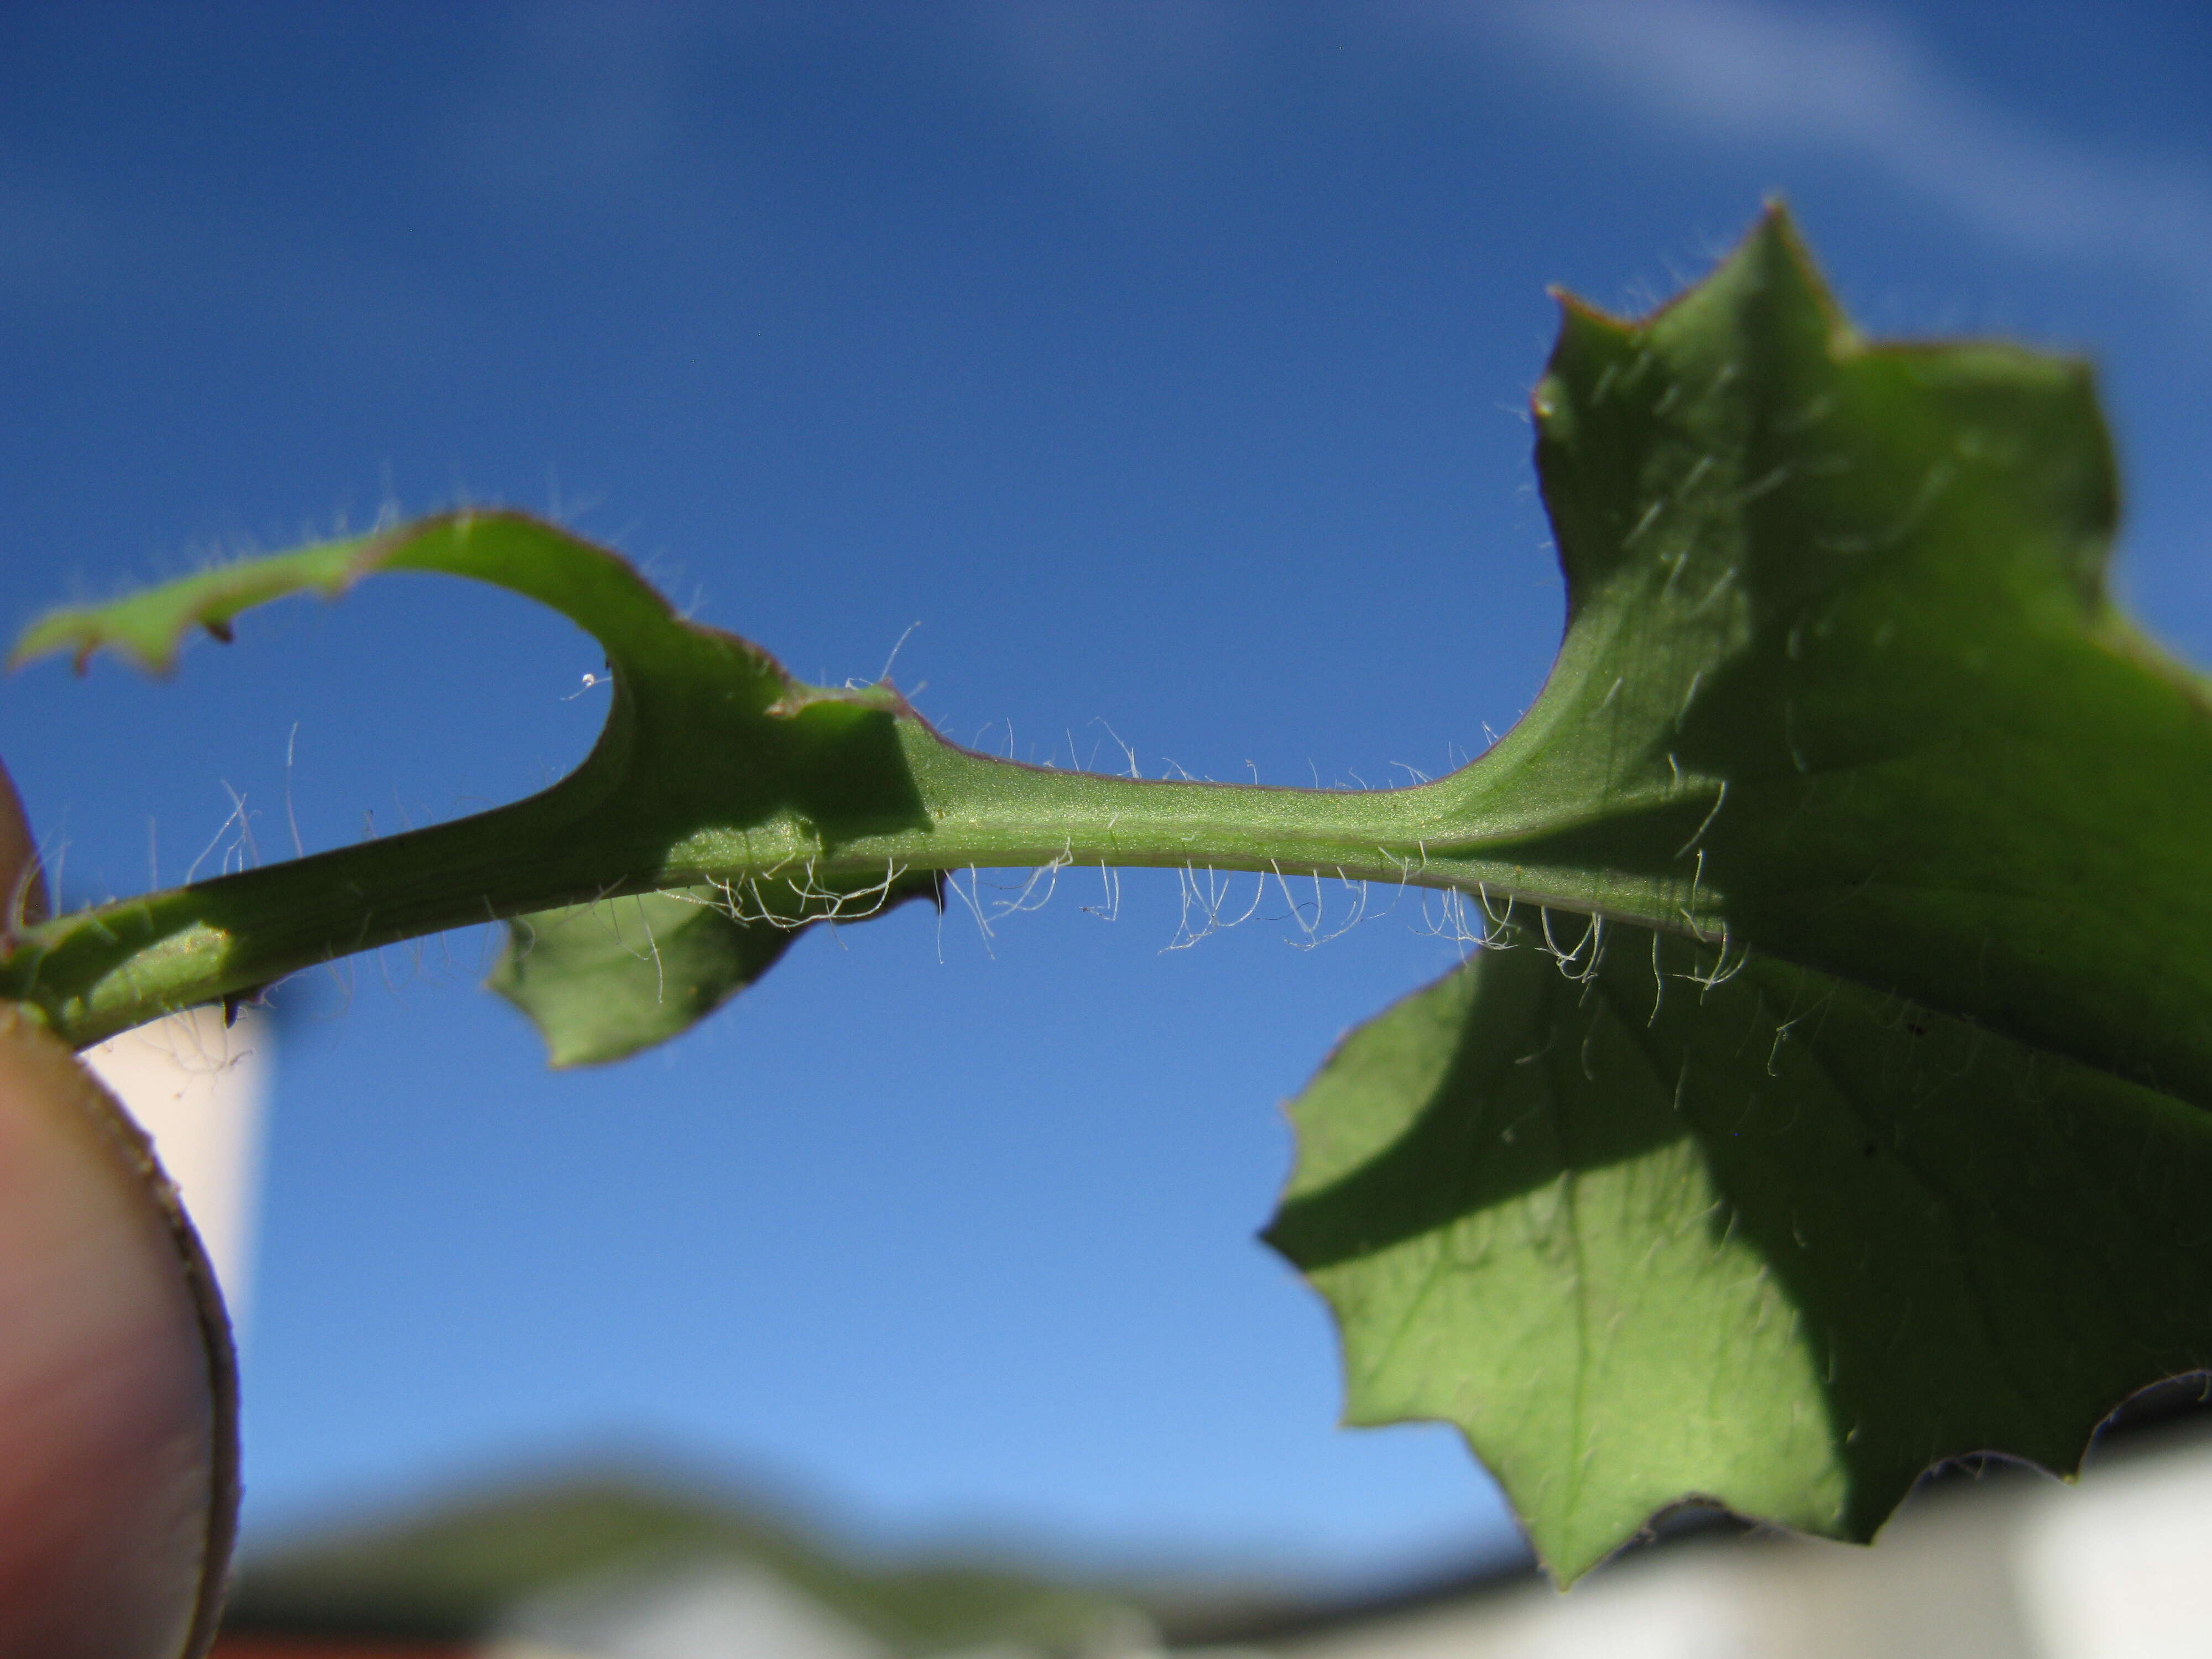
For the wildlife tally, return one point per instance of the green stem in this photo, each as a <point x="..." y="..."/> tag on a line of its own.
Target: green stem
<point x="101" y="970"/>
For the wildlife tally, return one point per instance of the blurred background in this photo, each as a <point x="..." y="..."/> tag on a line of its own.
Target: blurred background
<point x="1134" y="374"/>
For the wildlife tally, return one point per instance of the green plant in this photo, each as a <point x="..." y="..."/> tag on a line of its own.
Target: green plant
<point x="1828" y="1098"/>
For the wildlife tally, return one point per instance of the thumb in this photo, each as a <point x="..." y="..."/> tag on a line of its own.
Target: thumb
<point x="118" y="1394"/>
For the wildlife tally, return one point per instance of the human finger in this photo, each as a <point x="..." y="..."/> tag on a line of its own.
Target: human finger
<point x="117" y="1452"/>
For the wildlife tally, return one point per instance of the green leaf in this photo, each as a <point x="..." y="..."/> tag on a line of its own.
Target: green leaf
<point x="1839" y="667"/>
<point x="1840" y="675"/>
<point x="714" y="766"/>
<point x="1742" y="1232"/>
<point x="602" y="980"/>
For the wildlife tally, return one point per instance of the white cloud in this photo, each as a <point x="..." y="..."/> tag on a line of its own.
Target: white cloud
<point x="1859" y="85"/>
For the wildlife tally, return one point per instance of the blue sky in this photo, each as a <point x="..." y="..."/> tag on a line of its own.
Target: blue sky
<point x="1166" y="364"/>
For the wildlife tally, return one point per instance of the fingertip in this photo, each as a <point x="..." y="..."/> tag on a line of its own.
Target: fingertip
<point x="118" y="1379"/>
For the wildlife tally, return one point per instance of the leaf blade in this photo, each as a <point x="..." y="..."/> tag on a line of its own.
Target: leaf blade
<point x="1779" y="1244"/>
<point x="1841" y="679"/>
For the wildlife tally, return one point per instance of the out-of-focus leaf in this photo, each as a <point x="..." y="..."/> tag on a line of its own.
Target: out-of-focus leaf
<point x="714" y="764"/>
